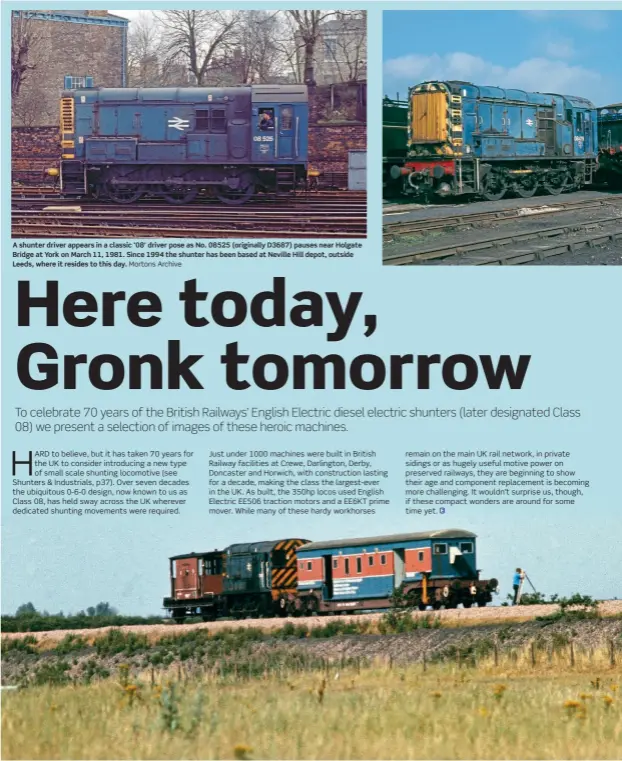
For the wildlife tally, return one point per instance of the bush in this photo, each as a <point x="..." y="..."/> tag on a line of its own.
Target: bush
<point x="116" y="641"/>
<point x="26" y="644"/>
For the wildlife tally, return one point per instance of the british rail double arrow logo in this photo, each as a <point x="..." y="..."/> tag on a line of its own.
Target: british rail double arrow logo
<point x="178" y="123"/>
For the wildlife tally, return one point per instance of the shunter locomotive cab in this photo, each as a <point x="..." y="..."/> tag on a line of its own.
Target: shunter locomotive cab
<point x="196" y="585"/>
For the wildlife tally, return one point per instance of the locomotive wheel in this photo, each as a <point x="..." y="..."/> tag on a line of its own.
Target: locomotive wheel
<point x="495" y="187"/>
<point x="528" y="189"/>
<point x="422" y="606"/>
<point x="179" y="195"/>
<point x="235" y="197"/>
<point x="124" y="193"/>
<point x="554" y="188"/>
<point x="467" y="603"/>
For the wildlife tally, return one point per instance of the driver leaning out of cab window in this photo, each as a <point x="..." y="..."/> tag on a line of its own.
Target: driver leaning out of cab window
<point x="266" y="119"/>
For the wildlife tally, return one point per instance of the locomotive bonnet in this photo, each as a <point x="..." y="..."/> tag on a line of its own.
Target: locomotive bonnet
<point x="231" y="142"/>
<point x="464" y="138"/>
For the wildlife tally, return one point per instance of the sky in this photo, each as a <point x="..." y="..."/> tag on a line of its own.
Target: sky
<point x="568" y="52"/>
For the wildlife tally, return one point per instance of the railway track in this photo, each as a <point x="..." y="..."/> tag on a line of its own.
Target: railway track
<point x="454" y="617"/>
<point x="509" y="249"/>
<point x="393" y="230"/>
<point x="327" y="215"/>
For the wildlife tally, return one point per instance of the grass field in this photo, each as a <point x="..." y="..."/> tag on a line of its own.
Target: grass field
<point x="509" y="710"/>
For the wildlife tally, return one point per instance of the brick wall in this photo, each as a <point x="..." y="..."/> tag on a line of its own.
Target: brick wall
<point x="33" y="150"/>
<point x="337" y="124"/>
<point x="78" y="49"/>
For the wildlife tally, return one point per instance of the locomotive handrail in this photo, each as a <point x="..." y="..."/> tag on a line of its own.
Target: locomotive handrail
<point x="276" y="137"/>
<point x="296" y="138"/>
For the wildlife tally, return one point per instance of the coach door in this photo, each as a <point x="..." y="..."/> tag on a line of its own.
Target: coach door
<point x="328" y="576"/>
<point x="285" y="129"/>
<point x="398" y="568"/>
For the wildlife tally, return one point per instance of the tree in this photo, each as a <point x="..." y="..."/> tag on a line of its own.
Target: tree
<point x="256" y="57"/>
<point x="25" y="36"/>
<point x="144" y="53"/>
<point x="27" y="609"/>
<point x="346" y="48"/>
<point x="101" y="609"/>
<point x="308" y="30"/>
<point x="197" y="37"/>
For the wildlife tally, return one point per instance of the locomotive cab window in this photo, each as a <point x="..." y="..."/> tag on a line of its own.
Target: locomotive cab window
<point x="309" y="566"/>
<point x="265" y="119"/>
<point x="383" y="560"/>
<point x="287" y="117"/>
<point x="579" y="121"/>
<point x="466" y="547"/>
<point x="440" y="549"/>
<point x="201" y="120"/>
<point x="421" y="556"/>
<point x="279" y="559"/>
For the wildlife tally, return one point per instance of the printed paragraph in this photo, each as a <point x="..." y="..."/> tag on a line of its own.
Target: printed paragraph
<point x="287" y="482"/>
<point x="100" y="482"/>
<point x="490" y="477"/>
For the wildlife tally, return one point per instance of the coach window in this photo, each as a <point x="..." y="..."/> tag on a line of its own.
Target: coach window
<point x="301" y="565"/>
<point x="335" y="562"/>
<point x="421" y="556"/>
<point x="466" y="547"/>
<point x="219" y="120"/>
<point x="359" y="565"/>
<point x="201" y="120"/>
<point x="440" y="549"/>
<point x="347" y="564"/>
<point x="309" y="565"/>
<point x="287" y="117"/>
<point x="370" y="559"/>
<point x="383" y="560"/>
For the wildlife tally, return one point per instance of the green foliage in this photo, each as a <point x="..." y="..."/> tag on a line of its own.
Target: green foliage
<point x="70" y="644"/>
<point x="574" y="608"/>
<point x="52" y="673"/>
<point x="116" y="641"/>
<point x="26" y="644"/>
<point x="402" y="622"/>
<point x="29" y="621"/>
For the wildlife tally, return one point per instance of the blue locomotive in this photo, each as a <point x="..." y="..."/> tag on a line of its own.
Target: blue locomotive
<point x="232" y="142"/>
<point x="489" y="141"/>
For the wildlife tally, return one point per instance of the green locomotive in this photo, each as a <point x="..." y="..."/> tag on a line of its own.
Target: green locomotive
<point x="610" y="144"/>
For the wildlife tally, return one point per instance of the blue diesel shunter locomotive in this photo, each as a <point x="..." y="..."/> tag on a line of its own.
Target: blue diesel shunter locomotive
<point x="232" y="142"/>
<point x="489" y="141"/>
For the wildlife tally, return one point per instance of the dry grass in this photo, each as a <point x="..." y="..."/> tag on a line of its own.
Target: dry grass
<point x="449" y="618"/>
<point x="512" y="710"/>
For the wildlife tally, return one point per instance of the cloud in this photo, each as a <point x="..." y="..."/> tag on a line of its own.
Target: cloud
<point x="560" y="48"/>
<point x="542" y="74"/>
